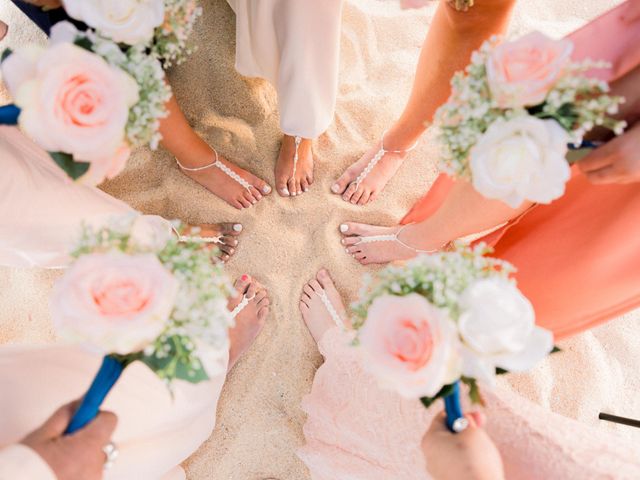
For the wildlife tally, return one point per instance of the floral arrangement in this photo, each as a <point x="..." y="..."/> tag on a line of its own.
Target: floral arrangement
<point x="85" y="101"/>
<point x="512" y="114"/>
<point x="134" y="294"/>
<point x="163" y="26"/>
<point x="460" y="5"/>
<point x="446" y="318"/>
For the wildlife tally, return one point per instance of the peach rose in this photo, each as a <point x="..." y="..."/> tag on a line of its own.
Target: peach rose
<point x="522" y="72"/>
<point x="114" y="302"/>
<point x="73" y="101"/>
<point x="409" y="345"/>
<point x="405" y="4"/>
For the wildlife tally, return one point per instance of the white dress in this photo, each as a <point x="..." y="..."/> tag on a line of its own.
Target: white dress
<point x="42" y="210"/>
<point x="295" y="45"/>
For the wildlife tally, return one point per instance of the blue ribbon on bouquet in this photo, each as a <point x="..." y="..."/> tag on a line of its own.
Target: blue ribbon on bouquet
<point x="456" y="422"/>
<point x="9" y="115"/>
<point x="105" y="379"/>
<point x="584" y="144"/>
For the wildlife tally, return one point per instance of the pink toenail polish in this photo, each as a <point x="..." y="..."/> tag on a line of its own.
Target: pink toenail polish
<point x="244" y="278"/>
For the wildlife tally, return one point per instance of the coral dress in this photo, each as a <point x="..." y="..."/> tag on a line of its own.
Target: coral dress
<point x="578" y="259"/>
<point x="295" y="45"/>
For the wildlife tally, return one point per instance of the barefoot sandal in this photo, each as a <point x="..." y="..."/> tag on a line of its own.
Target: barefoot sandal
<point x="298" y="140"/>
<point x="241" y="306"/>
<point x="376" y="158"/>
<point x="393" y="237"/>
<point x="196" y="239"/>
<point x="331" y="309"/>
<point x="221" y="166"/>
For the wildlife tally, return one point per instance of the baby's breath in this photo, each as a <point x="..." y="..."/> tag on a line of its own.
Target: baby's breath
<point x="171" y="39"/>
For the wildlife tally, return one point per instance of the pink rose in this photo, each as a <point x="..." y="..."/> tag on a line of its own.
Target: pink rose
<point x="522" y="72"/>
<point x="73" y="101"/>
<point x="409" y="345"/>
<point x="115" y="302"/>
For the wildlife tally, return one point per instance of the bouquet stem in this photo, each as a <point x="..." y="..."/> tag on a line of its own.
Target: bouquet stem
<point x="456" y="422"/>
<point x="9" y="115"/>
<point x="105" y="379"/>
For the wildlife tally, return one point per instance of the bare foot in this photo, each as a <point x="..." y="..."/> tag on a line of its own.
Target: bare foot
<point x="225" y="187"/>
<point x="375" y="181"/>
<point x="250" y="320"/>
<point x="381" y="251"/>
<point x="227" y="234"/>
<point x="288" y="184"/>
<point x="314" y="312"/>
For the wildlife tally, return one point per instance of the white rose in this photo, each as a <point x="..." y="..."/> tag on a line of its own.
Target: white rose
<point x="497" y="328"/>
<point x="151" y="232"/>
<point x="123" y="21"/>
<point x="521" y="159"/>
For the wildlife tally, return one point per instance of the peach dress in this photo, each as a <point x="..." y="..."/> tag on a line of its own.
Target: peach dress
<point x="356" y="431"/>
<point x="40" y="213"/>
<point x="578" y="259"/>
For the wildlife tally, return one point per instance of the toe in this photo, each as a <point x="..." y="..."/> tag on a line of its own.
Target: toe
<point x="353" y="249"/>
<point x="309" y="179"/>
<point x="230" y="228"/>
<point x="224" y="257"/>
<point x="351" y="189"/>
<point x="262" y="186"/>
<point x="243" y="283"/>
<point x="308" y="290"/>
<point x="264" y="302"/>
<point x="304" y="184"/>
<point x="304" y="308"/>
<point x="230" y="241"/>
<point x="251" y="291"/>
<point x="248" y="196"/>
<point x="355" y="198"/>
<point x="291" y="186"/>
<point x="352" y="228"/>
<point x="255" y="193"/>
<point x="244" y="202"/>
<point x="263" y="313"/>
<point x="348" y="241"/>
<point x="281" y="187"/>
<point x="364" y="199"/>
<point x="227" y="249"/>
<point x="342" y="183"/>
<point x="261" y="295"/>
<point x="315" y="285"/>
<point x="359" y="256"/>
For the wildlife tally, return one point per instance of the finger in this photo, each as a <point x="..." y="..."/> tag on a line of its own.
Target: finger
<point x="604" y="175"/>
<point x="100" y="428"/>
<point x="57" y="423"/>
<point x="599" y="158"/>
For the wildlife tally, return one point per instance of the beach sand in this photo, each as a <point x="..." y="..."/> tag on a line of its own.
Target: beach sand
<point x="287" y="240"/>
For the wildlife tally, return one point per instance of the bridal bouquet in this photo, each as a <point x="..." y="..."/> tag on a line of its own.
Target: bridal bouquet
<point x="444" y="318"/>
<point x="512" y="114"/>
<point x="86" y="101"/>
<point x="163" y="26"/>
<point x="134" y="294"/>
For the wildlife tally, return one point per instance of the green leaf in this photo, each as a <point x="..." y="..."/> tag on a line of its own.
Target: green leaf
<point x="556" y="349"/>
<point x="501" y="371"/>
<point x="444" y="391"/>
<point x="84" y="42"/>
<point x="176" y="362"/>
<point x="474" y="390"/>
<point x="66" y="162"/>
<point x="5" y="54"/>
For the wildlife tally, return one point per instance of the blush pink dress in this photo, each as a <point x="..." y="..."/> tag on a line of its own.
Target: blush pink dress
<point x="578" y="259"/>
<point x="356" y="431"/>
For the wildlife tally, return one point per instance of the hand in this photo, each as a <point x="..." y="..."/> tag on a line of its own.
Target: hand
<point x="470" y="454"/>
<point x="76" y="456"/>
<point x="48" y="4"/>
<point x="617" y="161"/>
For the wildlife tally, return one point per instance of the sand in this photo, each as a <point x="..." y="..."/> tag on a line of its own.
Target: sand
<point x="287" y="240"/>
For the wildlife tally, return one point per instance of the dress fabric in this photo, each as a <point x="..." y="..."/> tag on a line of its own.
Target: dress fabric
<point x="42" y="209"/>
<point x="295" y="45"/>
<point x="357" y="431"/>
<point x="578" y="259"/>
<point x="157" y="429"/>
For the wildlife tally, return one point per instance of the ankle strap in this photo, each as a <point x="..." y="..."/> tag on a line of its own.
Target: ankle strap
<point x="197" y="169"/>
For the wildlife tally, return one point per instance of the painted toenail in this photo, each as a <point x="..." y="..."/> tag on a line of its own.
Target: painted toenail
<point x="335" y="188"/>
<point x="344" y="227"/>
<point x="232" y="251"/>
<point x="244" y="278"/>
<point x="285" y="191"/>
<point x="266" y="189"/>
<point x="344" y="242"/>
<point x="347" y="250"/>
<point x="237" y="227"/>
